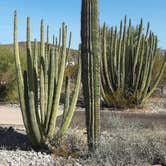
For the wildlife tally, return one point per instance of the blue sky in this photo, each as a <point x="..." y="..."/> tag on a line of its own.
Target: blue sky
<point x="54" y="12"/>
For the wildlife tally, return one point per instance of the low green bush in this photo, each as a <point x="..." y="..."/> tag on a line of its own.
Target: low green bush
<point x="158" y="62"/>
<point x="8" y="86"/>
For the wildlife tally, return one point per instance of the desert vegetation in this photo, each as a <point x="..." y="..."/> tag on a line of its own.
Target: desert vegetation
<point x="128" y="57"/>
<point x="114" y="68"/>
<point x="8" y="83"/>
<point x="40" y="123"/>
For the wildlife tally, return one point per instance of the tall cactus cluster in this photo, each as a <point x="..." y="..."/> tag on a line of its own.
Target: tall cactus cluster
<point x="90" y="54"/>
<point x="40" y="86"/>
<point x="128" y="57"/>
<point x="116" y="63"/>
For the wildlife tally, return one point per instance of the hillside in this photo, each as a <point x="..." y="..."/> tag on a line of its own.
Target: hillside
<point x="22" y="45"/>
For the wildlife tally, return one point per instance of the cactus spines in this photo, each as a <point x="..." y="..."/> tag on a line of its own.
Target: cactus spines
<point x="40" y="123"/>
<point x="90" y="54"/>
<point x="130" y="67"/>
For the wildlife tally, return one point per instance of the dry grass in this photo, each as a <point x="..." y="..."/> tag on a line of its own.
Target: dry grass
<point x="72" y="144"/>
<point x="127" y="144"/>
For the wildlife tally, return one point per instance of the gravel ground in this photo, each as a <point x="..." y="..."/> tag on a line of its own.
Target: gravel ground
<point x="24" y="158"/>
<point x="140" y="146"/>
<point x="15" y="149"/>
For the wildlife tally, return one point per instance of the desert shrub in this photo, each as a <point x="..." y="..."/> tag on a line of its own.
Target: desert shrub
<point x="130" y="149"/>
<point x="72" y="144"/>
<point x="156" y="69"/>
<point x="8" y="84"/>
<point x="129" y="144"/>
<point x="71" y="71"/>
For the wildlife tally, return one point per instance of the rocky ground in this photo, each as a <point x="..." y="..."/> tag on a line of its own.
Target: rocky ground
<point x="24" y="158"/>
<point x="15" y="149"/>
<point x="129" y="145"/>
<point x="139" y="134"/>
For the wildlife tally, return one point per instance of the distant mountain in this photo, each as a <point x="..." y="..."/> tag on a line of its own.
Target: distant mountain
<point x="73" y="53"/>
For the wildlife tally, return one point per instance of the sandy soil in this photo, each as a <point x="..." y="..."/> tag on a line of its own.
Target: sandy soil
<point x="11" y="114"/>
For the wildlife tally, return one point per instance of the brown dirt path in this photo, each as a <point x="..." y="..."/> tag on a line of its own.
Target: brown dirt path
<point x="10" y="115"/>
<point x="155" y="110"/>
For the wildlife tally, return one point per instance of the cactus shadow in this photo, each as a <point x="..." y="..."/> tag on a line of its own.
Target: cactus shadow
<point x="11" y="139"/>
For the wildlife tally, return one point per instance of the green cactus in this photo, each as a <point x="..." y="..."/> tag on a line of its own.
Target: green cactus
<point x="127" y="63"/>
<point x="40" y="123"/>
<point x="90" y="54"/>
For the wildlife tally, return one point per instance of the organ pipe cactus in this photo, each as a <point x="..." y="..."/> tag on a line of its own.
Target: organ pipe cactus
<point x="90" y="54"/>
<point x="39" y="100"/>
<point x="128" y="58"/>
